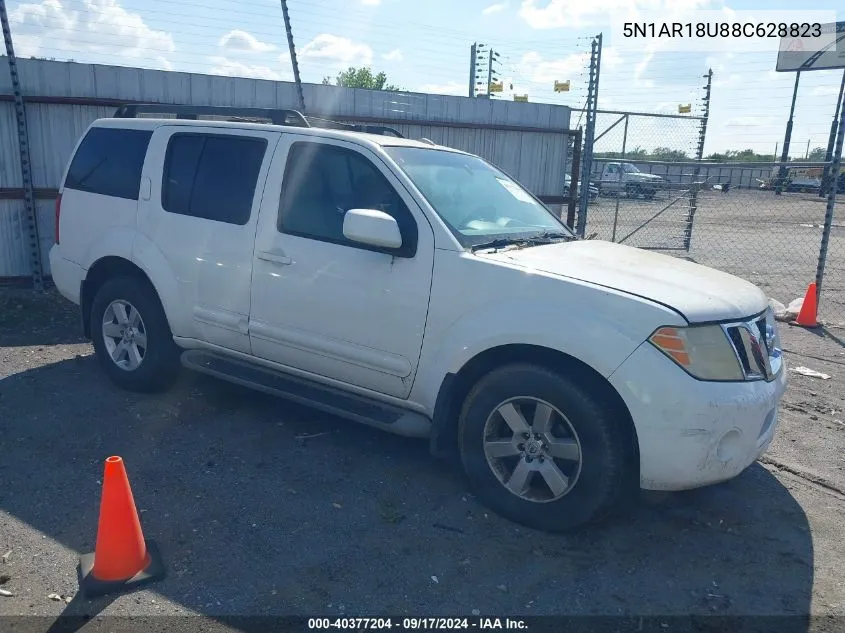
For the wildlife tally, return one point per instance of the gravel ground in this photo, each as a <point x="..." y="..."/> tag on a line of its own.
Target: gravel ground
<point x="261" y="507"/>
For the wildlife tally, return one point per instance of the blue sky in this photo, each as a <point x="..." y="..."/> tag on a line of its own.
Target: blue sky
<point x="424" y="46"/>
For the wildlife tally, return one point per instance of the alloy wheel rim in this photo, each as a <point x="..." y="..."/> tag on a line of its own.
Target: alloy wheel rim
<point x="532" y="449"/>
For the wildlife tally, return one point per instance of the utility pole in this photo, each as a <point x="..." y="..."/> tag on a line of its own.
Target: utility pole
<point x="807" y="153"/>
<point x="828" y="175"/>
<point x="484" y="55"/>
<point x="784" y="157"/>
<point x="26" y="163"/>
<point x="472" y="52"/>
<point x="293" y="61"/>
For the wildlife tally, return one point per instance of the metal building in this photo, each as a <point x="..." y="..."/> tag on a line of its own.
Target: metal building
<point x="530" y="141"/>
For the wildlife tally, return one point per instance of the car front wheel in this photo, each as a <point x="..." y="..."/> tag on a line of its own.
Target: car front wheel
<point x="540" y="449"/>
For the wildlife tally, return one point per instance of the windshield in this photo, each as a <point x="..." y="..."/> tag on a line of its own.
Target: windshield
<point x="629" y="168"/>
<point x="477" y="201"/>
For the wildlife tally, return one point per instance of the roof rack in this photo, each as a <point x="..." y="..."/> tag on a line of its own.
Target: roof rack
<point x="352" y="127"/>
<point x="290" y="118"/>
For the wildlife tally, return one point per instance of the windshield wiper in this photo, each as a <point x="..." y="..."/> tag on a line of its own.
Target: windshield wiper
<point x="499" y="243"/>
<point x="553" y="235"/>
<point x="547" y="237"/>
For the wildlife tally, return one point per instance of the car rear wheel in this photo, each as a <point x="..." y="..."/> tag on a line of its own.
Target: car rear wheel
<point x="540" y="449"/>
<point x="131" y="336"/>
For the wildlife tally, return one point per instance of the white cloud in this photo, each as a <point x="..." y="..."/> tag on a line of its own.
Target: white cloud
<point x="394" y="56"/>
<point x="451" y="88"/>
<point x="233" y="68"/>
<point x="337" y="50"/>
<point x="541" y="70"/>
<point x="751" y="121"/>
<point x="825" y="91"/>
<point x="495" y="8"/>
<point x="243" y="42"/>
<point x="641" y="67"/>
<point x="102" y="27"/>
<point x="577" y="14"/>
<point x="611" y="57"/>
<point x="371" y="3"/>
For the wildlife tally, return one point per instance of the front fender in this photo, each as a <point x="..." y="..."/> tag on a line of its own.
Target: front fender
<point x="601" y="337"/>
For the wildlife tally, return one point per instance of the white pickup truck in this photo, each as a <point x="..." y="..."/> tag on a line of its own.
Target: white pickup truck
<point x="420" y="290"/>
<point x="619" y="178"/>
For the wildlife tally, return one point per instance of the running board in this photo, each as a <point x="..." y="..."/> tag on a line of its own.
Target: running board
<point x="318" y="396"/>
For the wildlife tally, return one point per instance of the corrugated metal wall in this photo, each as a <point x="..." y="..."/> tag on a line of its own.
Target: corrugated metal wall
<point x="536" y="155"/>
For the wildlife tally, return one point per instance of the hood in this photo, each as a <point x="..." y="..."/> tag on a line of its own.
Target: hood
<point x="643" y="176"/>
<point x="699" y="293"/>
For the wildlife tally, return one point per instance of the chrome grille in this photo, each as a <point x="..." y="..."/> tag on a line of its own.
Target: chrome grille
<point x="755" y="343"/>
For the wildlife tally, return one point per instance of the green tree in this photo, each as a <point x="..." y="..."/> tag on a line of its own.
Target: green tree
<point x="817" y="154"/>
<point x="668" y="154"/>
<point x="739" y="156"/>
<point x="360" y="78"/>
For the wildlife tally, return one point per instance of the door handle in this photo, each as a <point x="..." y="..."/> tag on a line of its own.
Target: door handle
<point x="276" y="258"/>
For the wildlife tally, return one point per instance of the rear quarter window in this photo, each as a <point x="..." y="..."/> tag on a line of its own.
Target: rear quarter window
<point x="213" y="177"/>
<point x="109" y="162"/>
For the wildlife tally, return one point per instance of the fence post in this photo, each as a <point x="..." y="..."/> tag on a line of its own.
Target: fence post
<point x="827" y="176"/>
<point x="699" y="155"/>
<point x="622" y="157"/>
<point x="831" y="201"/>
<point x="575" y="176"/>
<point x="293" y="60"/>
<point x="26" y="165"/>
<point x="592" y="106"/>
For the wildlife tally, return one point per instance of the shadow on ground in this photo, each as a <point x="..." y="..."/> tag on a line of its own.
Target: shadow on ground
<point x="33" y="318"/>
<point x="262" y="507"/>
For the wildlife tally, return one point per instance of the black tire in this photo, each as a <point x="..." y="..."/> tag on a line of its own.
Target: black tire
<point x="649" y="194"/>
<point x="160" y="365"/>
<point x="633" y="191"/>
<point x="605" y="453"/>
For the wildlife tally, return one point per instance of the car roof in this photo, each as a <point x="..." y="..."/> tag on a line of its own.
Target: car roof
<point x="150" y="123"/>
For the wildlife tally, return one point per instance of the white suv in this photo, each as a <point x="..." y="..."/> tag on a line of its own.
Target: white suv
<point x="420" y="290"/>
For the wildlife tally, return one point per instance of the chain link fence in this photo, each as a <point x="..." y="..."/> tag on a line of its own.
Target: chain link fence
<point x="651" y="190"/>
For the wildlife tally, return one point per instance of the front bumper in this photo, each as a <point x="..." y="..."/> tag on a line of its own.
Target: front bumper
<point x="693" y="433"/>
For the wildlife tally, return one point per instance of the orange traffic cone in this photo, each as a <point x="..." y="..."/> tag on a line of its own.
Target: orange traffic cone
<point x="807" y="314"/>
<point x="123" y="559"/>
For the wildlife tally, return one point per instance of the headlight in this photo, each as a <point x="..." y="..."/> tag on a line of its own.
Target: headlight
<point x="704" y="351"/>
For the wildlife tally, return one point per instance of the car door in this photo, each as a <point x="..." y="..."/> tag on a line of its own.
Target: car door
<point x="198" y="212"/>
<point x="321" y="303"/>
<point x="612" y="177"/>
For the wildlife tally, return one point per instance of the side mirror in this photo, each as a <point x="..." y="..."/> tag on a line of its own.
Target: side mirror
<point x="371" y="227"/>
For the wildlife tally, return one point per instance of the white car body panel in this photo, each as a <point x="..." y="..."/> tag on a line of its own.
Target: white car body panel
<point x="213" y="278"/>
<point x="334" y="310"/>
<point x="693" y="433"/>
<point x="700" y="293"/>
<point x="511" y="305"/>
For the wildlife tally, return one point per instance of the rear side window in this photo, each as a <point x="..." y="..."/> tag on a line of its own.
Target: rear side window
<point x="109" y="162"/>
<point x="212" y="176"/>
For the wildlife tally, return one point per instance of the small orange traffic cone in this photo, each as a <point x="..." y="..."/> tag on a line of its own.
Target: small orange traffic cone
<point x="808" y="313"/>
<point x="122" y="559"/>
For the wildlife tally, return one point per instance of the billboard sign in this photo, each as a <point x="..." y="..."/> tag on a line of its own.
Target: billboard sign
<point x="810" y="51"/>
